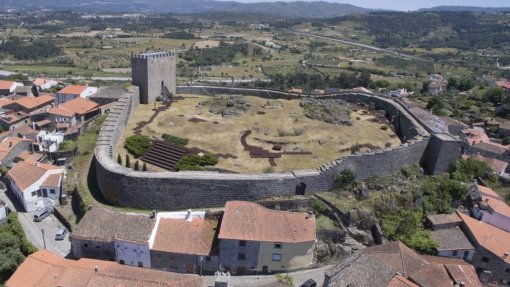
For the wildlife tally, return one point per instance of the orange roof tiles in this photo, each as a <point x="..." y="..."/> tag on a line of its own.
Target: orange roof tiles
<point x="52" y="180"/>
<point x="489" y="237"/>
<point x="185" y="237"/>
<point x="252" y="222"/>
<point x="401" y="281"/>
<point x="78" y="106"/>
<point x="73" y="90"/>
<point x="5" y="101"/>
<point x="44" y="269"/>
<point x="497" y="205"/>
<point x="487" y="191"/>
<point x="34" y="102"/>
<point x="30" y="157"/>
<point x="25" y="174"/>
<point x="6" y="85"/>
<point x="42" y="81"/>
<point x="59" y="111"/>
<point x="7" y="145"/>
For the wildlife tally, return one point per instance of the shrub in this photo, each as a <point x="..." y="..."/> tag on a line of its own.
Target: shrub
<point x="128" y="164"/>
<point x="318" y="206"/>
<point x="355" y="148"/>
<point x="137" y="145"/>
<point x="506" y="141"/>
<point x="119" y="159"/>
<point x="347" y="178"/>
<point x="384" y="127"/>
<point x="175" y="140"/>
<point x="268" y="169"/>
<point x="137" y="166"/>
<point x="144" y="168"/>
<point x="196" y="162"/>
<point x="67" y="146"/>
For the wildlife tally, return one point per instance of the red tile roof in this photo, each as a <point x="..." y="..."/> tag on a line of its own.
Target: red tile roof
<point x="25" y="174"/>
<point x="5" y="101"/>
<point x="42" y="81"/>
<point x="78" y="106"/>
<point x="7" y="145"/>
<point x="34" y="102"/>
<point x="73" y="90"/>
<point x="6" y="85"/>
<point x="52" y="180"/>
<point x="252" y="222"/>
<point x="185" y="237"/>
<point x="44" y="269"/>
<point x="489" y="237"/>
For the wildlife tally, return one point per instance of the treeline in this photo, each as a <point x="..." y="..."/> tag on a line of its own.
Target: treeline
<point x="309" y="81"/>
<point x="224" y="53"/>
<point x="35" y="50"/>
<point x="180" y="35"/>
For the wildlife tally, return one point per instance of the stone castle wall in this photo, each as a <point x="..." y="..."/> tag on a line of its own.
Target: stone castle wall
<point x="151" y="71"/>
<point x="182" y="190"/>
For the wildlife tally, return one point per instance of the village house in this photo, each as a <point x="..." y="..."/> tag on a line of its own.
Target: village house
<point x="45" y="269"/>
<point x="11" y="147"/>
<point x="447" y="233"/>
<point x="48" y="142"/>
<point x="502" y="83"/>
<point x="72" y="112"/>
<point x="491" y="259"/>
<point x="256" y="239"/>
<point x="36" y="185"/>
<point x="112" y="235"/>
<point x="394" y="264"/>
<point x="437" y="87"/>
<point x="183" y="242"/>
<point x="73" y="91"/>
<point x="30" y="105"/>
<point x="476" y="142"/>
<point x="489" y="207"/>
<point x="8" y="87"/>
<point x="44" y="84"/>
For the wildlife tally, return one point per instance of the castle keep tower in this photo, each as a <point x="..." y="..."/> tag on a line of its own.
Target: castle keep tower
<point x="154" y="73"/>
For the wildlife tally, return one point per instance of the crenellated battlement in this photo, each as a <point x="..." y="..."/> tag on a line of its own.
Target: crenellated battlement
<point x="152" y="55"/>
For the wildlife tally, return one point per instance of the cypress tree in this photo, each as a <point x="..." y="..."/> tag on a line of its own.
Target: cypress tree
<point x="119" y="159"/>
<point x="137" y="166"/>
<point x="128" y="164"/>
<point x="144" y="167"/>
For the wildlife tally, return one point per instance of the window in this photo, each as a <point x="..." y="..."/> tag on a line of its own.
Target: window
<point x="241" y="256"/>
<point x="52" y="191"/>
<point x="242" y="243"/>
<point x="278" y="245"/>
<point x="485" y="259"/>
<point x="85" y="245"/>
<point x="208" y="258"/>
<point x="277" y="257"/>
<point x="33" y="193"/>
<point x="507" y="270"/>
<point x="140" y="264"/>
<point x="455" y="253"/>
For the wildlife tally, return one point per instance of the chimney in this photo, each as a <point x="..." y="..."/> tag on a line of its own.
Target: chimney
<point x="96" y="268"/>
<point x="10" y="144"/>
<point x="189" y="217"/>
<point x="462" y="284"/>
<point x="505" y="255"/>
<point x="309" y="215"/>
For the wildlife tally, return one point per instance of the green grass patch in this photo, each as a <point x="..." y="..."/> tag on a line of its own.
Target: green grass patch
<point x="175" y="140"/>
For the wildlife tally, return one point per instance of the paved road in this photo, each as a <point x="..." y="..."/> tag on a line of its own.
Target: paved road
<point x="360" y="45"/>
<point x="254" y="281"/>
<point x="33" y="230"/>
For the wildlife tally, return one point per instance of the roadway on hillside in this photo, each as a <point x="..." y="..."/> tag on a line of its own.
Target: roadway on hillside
<point x="369" y="47"/>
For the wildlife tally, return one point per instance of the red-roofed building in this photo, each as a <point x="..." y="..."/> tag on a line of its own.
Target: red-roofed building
<point x="72" y="112"/>
<point x="502" y="83"/>
<point x="492" y="255"/>
<point x="489" y="207"/>
<point x="44" y="84"/>
<point x="8" y="87"/>
<point x="31" y="104"/>
<point x="73" y="91"/>
<point x="36" y="185"/>
<point x="256" y="239"/>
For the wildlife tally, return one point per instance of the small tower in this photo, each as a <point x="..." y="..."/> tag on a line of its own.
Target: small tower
<point x="154" y="73"/>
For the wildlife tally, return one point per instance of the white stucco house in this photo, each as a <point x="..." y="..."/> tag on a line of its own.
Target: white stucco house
<point x="73" y="91"/>
<point x="36" y="185"/>
<point x="49" y="142"/>
<point x="44" y="84"/>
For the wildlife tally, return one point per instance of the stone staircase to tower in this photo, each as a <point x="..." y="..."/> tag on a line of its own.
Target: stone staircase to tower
<point x="164" y="155"/>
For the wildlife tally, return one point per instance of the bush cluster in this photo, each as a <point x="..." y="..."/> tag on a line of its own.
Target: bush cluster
<point x="137" y="145"/>
<point x="175" y="140"/>
<point x="196" y="162"/>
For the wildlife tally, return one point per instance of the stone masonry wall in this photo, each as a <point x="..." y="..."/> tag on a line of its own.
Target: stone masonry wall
<point x="152" y="70"/>
<point x="182" y="190"/>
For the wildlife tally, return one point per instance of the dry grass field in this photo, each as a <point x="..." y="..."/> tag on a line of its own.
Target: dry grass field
<point x="282" y="121"/>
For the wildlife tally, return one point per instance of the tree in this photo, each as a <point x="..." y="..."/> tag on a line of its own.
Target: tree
<point x="128" y="164"/>
<point x="495" y="95"/>
<point x="137" y="165"/>
<point x="144" y="168"/>
<point x="137" y="145"/>
<point x="437" y="105"/>
<point x="364" y="79"/>
<point x="346" y="178"/>
<point x="468" y="169"/>
<point x="119" y="159"/>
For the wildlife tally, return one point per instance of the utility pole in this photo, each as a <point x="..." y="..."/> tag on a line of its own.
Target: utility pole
<point x="44" y="241"/>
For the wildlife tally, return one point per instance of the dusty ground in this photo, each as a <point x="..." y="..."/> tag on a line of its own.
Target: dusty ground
<point x="206" y="44"/>
<point x="327" y="142"/>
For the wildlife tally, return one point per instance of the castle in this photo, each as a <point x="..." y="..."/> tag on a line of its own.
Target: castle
<point x="154" y="73"/>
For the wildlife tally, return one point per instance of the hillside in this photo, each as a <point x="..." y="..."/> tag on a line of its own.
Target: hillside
<point x="467" y="9"/>
<point x="298" y="9"/>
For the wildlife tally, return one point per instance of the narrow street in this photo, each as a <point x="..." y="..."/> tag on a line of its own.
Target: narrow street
<point x="34" y="230"/>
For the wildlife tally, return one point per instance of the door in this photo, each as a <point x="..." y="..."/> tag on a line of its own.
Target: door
<point x="241" y="270"/>
<point x="301" y="189"/>
<point x="45" y="192"/>
<point x="190" y="268"/>
<point x="265" y="270"/>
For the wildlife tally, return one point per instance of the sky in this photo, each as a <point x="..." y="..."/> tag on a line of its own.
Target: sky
<point x="405" y="5"/>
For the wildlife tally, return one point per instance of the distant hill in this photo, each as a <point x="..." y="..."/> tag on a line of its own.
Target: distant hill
<point x="467" y="9"/>
<point x="297" y="9"/>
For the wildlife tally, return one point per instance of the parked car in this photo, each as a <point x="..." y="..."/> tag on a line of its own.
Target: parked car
<point x="309" y="283"/>
<point x="61" y="234"/>
<point x="38" y="217"/>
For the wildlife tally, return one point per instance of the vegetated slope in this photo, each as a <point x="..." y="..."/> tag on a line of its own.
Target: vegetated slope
<point x="298" y="9"/>
<point x="467" y="9"/>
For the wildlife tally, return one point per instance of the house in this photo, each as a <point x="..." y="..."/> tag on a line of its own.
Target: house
<point x="489" y="207"/>
<point x="502" y="83"/>
<point x="476" y="142"/>
<point x="498" y="166"/>
<point x="11" y="120"/>
<point x="183" y="242"/>
<point x="491" y="259"/>
<point x="48" y="142"/>
<point x="443" y="221"/>
<point x="256" y="239"/>
<point x="11" y="147"/>
<point x="72" y="112"/>
<point x="112" y="235"/>
<point x="45" y="269"/>
<point x="437" y="87"/>
<point x="8" y="87"/>
<point x="296" y="91"/>
<point x="31" y="104"/>
<point x="4" y="212"/>
<point x="44" y="84"/>
<point x="36" y="185"/>
<point x="73" y="91"/>
<point x="394" y="264"/>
